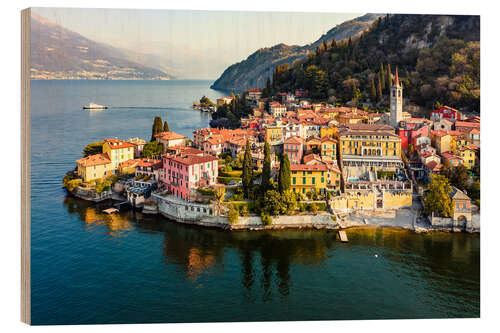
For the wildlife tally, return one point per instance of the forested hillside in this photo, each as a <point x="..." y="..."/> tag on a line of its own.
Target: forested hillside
<point x="437" y="56"/>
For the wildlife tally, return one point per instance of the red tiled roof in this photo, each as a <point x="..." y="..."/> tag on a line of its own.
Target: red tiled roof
<point x="148" y="162"/>
<point x="450" y="156"/>
<point x="93" y="160"/>
<point x="467" y="124"/>
<point x="306" y="167"/>
<point x="310" y="157"/>
<point x="294" y="139"/>
<point x="326" y="138"/>
<point x="118" y="144"/>
<point x="194" y="159"/>
<point x="433" y="166"/>
<point x="169" y="136"/>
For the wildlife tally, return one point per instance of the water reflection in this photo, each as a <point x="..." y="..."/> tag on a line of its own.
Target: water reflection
<point x="449" y="263"/>
<point x="91" y="214"/>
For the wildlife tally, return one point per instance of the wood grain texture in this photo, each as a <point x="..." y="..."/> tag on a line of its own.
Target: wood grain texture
<point x="25" y="167"/>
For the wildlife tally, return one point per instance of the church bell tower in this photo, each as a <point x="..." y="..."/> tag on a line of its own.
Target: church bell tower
<point x="396" y="102"/>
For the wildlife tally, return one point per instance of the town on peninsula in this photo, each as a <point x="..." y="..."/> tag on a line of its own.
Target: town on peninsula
<point x="296" y="163"/>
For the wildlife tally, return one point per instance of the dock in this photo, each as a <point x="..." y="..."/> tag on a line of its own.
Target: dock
<point x="110" y="210"/>
<point x="343" y="236"/>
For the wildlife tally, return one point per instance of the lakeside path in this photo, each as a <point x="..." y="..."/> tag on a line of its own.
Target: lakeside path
<point x="404" y="218"/>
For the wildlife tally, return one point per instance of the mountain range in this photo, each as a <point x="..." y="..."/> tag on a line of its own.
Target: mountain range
<point x="254" y="71"/>
<point x="59" y="53"/>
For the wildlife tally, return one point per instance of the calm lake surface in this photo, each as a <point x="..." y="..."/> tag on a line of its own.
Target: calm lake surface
<point x="91" y="268"/>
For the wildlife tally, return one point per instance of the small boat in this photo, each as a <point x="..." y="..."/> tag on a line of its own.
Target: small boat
<point x="93" y="106"/>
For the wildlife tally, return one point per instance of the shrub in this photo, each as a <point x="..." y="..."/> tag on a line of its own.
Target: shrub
<point x="226" y="180"/>
<point x="313" y="208"/>
<point x="328" y="195"/>
<point x="302" y="207"/>
<point x="249" y="205"/>
<point x="266" y="219"/>
<point x="244" y="210"/>
<point x="205" y="191"/>
<point x="72" y="184"/>
<point x="230" y="173"/>
<point x="334" y="218"/>
<point x="102" y="186"/>
<point x="148" y="177"/>
<point x="385" y="174"/>
<point x="233" y="215"/>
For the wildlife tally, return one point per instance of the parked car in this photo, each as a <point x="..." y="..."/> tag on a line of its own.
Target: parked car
<point x="232" y="182"/>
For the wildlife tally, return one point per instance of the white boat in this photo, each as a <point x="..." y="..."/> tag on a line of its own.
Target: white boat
<point x="93" y="106"/>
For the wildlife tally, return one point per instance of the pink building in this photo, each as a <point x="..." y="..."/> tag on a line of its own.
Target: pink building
<point x="294" y="148"/>
<point x="186" y="172"/>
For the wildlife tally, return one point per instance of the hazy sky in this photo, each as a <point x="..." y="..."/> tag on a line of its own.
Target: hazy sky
<point x="195" y="44"/>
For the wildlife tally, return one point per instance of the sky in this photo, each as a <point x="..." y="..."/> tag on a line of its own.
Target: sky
<point x="194" y="44"/>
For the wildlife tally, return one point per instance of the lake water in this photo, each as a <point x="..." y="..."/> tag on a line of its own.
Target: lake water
<point x="90" y="268"/>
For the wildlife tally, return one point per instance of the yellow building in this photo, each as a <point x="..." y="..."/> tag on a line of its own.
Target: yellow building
<point x="369" y="150"/>
<point x="331" y="132"/>
<point x="442" y="141"/>
<point x="369" y="143"/>
<point x="468" y="156"/>
<point x="351" y="118"/>
<point x="328" y="149"/>
<point x="118" y="151"/>
<point x="308" y="178"/>
<point x="274" y="134"/>
<point x="333" y="177"/>
<point x="94" y="167"/>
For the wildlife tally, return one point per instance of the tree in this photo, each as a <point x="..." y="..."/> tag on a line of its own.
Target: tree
<point x="460" y="177"/>
<point x="389" y="77"/>
<point x="233" y="215"/>
<point x="266" y="92"/>
<point x="165" y="127"/>
<point x="379" y="90"/>
<point x="102" y="186"/>
<point x="373" y="90"/>
<point x="289" y="202"/>
<point x="152" y="149"/>
<point x="205" y="101"/>
<point x="266" y="169"/>
<point x="93" y="148"/>
<point x="157" y="127"/>
<point x="437" y="199"/>
<point x="284" y="174"/>
<point x="272" y="203"/>
<point x="333" y="44"/>
<point x="247" y="175"/>
<point x="446" y="169"/>
<point x="382" y="77"/>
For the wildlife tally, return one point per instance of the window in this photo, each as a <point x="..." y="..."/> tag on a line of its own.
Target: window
<point x="303" y="180"/>
<point x="294" y="180"/>
<point x="322" y="179"/>
<point x="314" y="180"/>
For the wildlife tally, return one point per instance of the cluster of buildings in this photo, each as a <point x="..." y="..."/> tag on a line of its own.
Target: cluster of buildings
<point x="356" y="156"/>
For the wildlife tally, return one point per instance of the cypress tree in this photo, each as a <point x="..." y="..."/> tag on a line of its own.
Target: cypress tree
<point x="379" y="91"/>
<point x="373" y="90"/>
<point x="382" y="77"/>
<point x="165" y="127"/>
<point x="247" y="175"/>
<point x="266" y="169"/>
<point x="157" y="127"/>
<point x="325" y="46"/>
<point x="334" y="43"/>
<point x="284" y="174"/>
<point x="389" y="77"/>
